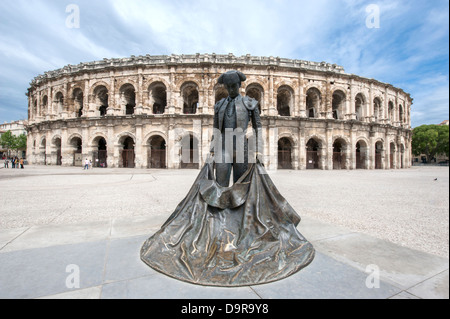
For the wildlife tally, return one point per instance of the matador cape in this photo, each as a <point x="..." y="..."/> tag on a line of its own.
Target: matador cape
<point x="241" y="235"/>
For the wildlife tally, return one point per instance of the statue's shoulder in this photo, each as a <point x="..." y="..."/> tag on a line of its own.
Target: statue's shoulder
<point x="219" y="104"/>
<point x="250" y="103"/>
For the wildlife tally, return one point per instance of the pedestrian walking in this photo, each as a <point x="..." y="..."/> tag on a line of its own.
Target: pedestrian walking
<point x="86" y="164"/>
<point x="6" y="163"/>
<point x="21" y="163"/>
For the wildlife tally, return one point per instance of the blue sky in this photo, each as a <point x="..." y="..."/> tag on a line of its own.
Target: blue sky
<point x="410" y="49"/>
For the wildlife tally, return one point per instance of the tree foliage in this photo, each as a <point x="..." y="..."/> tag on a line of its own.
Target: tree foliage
<point x="430" y="140"/>
<point x="12" y="142"/>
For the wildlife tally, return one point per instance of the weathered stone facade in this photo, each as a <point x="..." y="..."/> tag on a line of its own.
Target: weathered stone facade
<point x="135" y="112"/>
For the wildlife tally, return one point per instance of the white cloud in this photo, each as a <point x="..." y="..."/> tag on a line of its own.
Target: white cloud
<point x="412" y="38"/>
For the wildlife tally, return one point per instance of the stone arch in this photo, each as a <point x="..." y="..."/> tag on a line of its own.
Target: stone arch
<point x="101" y="99"/>
<point x="340" y="153"/>
<point x="220" y="92"/>
<point x="75" y="145"/>
<point x="313" y="102"/>
<point x="96" y="85"/>
<point x="44" y="107"/>
<point x="360" y="106"/>
<point x="379" y="150"/>
<point x="338" y="104"/>
<point x="315" y="157"/>
<point x="56" y="145"/>
<point x="77" y="101"/>
<point x="401" y="113"/>
<point x="126" y="143"/>
<point x="377" y="108"/>
<point x="157" y="150"/>
<point x="190" y="95"/>
<point x="99" y="144"/>
<point x="362" y="153"/>
<point x="285" y="100"/>
<point x="286" y="147"/>
<point x="96" y="137"/>
<point x="59" y="102"/>
<point x="256" y="91"/>
<point x="157" y="94"/>
<point x="391" y="111"/>
<point x="128" y="98"/>
<point x="189" y="151"/>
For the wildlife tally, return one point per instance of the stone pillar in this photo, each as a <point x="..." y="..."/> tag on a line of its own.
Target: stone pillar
<point x="302" y="146"/>
<point x="67" y="157"/>
<point x="139" y="149"/>
<point x="272" y="100"/>
<point x="172" y="156"/>
<point x="139" y="94"/>
<point x="171" y="92"/>
<point x="272" y="145"/>
<point x="111" y="161"/>
<point x="329" y="148"/>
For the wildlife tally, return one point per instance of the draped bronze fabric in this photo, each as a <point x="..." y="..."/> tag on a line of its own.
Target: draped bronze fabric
<point x="237" y="236"/>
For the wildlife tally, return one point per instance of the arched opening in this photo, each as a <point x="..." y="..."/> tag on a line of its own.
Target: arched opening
<point x="361" y="155"/>
<point x="391" y="111"/>
<point x="378" y="155"/>
<point x="59" y="103"/>
<point x="284" y="100"/>
<point x="313" y="101"/>
<point x="284" y="153"/>
<point x="44" y="109"/>
<point x="157" y="153"/>
<point x="376" y="109"/>
<point x="360" y="102"/>
<point x="338" y="105"/>
<point x="35" y="108"/>
<point x="128" y="155"/>
<point x="158" y="97"/>
<point x="255" y="91"/>
<point x="220" y="93"/>
<point x="189" y="152"/>
<point x="190" y="96"/>
<point x="128" y="98"/>
<point x="312" y="154"/>
<point x="78" y="102"/>
<point x="100" y="156"/>
<point x="339" y="154"/>
<point x="77" y="146"/>
<point x="401" y="114"/>
<point x="392" y="155"/>
<point x="101" y="99"/>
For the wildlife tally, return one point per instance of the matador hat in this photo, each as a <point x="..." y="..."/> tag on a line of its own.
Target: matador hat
<point x="232" y="77"/>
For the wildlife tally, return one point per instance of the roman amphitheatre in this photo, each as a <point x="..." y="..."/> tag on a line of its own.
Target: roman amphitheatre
<point x="137" y="112"/>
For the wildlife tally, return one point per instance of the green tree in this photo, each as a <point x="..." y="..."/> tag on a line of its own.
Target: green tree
<point x="21" y="142"/>
<point x="8" y="141"/>
<point x="430" y="140"/>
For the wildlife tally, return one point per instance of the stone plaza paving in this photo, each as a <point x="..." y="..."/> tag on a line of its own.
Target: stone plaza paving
<point x="70" y="233"/>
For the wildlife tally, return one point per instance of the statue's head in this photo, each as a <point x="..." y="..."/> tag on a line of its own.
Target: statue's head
<point x="232" y="81"/>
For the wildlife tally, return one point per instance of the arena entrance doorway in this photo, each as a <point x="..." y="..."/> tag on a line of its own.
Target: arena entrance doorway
<point x="128" y="156"/>
<point x="284" y="154"/>
<point x="101" y="155"/>
<point x="312" y="154"/>
<point x="157" y="153"/>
